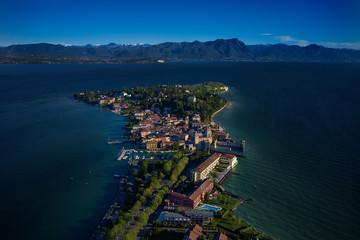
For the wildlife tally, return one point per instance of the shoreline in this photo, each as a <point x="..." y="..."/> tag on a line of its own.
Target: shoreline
<point x="112" y="214"/>
<point x="227" y="105"/>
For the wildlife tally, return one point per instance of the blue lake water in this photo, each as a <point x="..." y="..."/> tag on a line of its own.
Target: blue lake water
<point x="300" y="123"/>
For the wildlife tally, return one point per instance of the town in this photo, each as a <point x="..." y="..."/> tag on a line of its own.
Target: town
<point x="178" y="158"/>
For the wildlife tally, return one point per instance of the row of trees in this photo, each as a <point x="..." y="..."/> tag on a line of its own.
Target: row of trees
<point x="143" y="196"/>
<point x="143" y="218"/>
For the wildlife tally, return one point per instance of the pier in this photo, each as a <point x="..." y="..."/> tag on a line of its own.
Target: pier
<point x="118" y="142"/>
<point x="240" y="199"/>
<point x="114" y="142"/>
<point x="223" y="176"/>
<point x="121" y="154"/>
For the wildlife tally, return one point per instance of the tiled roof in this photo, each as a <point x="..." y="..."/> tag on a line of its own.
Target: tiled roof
<point x="193" y="233"/>
<point x="208" y="162"/>
<point x="220" y="236"/>
<point x="199" y="190"/>
<point x="228" y="156"/>
<point x="178" y="194"/>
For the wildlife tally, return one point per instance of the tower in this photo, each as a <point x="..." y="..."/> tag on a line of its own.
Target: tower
<point x="243" y="145"/>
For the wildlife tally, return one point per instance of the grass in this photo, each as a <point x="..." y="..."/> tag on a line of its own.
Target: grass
<point x="223" y="165"/>
<point x="231" y="223"/>
<point x="223" y="200"/>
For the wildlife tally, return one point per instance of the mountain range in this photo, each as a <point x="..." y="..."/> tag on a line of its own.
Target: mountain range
<point x="218" y="50"/>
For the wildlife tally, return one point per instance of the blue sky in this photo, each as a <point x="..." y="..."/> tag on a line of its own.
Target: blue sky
<point x="329" y="23"/>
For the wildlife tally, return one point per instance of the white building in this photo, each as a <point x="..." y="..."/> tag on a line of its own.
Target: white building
<point x="229" y="159"/>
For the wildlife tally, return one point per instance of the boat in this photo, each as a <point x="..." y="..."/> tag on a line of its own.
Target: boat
<point x="117" y="176"/>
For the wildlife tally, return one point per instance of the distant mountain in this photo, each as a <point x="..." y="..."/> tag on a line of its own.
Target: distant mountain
<point x="45" y="50"/>
<point x="218" y="50"/>
<point x="311" y="53"/>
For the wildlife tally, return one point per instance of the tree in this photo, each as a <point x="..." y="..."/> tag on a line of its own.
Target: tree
<point x="143" y="219"/>
<point x="144" y="167"/>
<point x="167" y="167"/>
<point x="142" y="199"/>
<point x="183" y="178"/>
<point x="175" y="146"/>
<point x="207" y="197"/>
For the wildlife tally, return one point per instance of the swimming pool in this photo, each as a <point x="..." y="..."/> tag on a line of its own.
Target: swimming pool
<point x="209" y="207"/>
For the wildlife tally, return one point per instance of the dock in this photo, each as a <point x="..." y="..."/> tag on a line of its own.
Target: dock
<point x="223" y="176"/>
<point x="240" y="199"/>
<point x="114" y="142"/>
<point x="121" y="154"/>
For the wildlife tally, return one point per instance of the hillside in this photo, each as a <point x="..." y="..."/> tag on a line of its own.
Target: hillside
<point x="218" y="50"/>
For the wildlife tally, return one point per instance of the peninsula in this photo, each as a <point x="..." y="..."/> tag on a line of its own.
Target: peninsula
<point x="178" y="158"/>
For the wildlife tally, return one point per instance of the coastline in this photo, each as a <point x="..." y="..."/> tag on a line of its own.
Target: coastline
<point x="102" y="229"/>
<point x="227" y="105"/>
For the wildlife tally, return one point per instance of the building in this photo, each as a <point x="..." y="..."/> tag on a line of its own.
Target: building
<point x="192" y="99"/>
<point x="194" y="198"/>
<point x="229" y="159"/>
<point x="222" y="136"/>
<point x="198" y="194"/>
<point x="123" y="94"/>
<point x="220" y="236"/>
<point x="178" y="199"/>
<point x="199" y="217"/>
<point x="203" y="170"/>
<point x="139" y="115"/>
<point x="196" y="118"/>
<point x="173" y="218"/>
<point x="155" y="145"/>
<point x="144" y="132"/>
<point x="193" y="233"/>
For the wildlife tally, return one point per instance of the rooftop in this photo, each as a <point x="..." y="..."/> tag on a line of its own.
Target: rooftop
<point x="208" y="162"/>
<point x="229" y="156"/>
<point x="193" y="233"/>
<point x="200" y="189"/>
<point x="220" y="236"/>
<point x="166" y="215"/>
<point x="199" y="213"/>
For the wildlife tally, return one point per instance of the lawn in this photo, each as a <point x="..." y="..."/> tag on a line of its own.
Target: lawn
<point x="231" y="223"/>
<point x="223" y="200"/>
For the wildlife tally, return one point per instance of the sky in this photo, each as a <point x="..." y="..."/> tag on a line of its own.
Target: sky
<point x="329" y="23"/>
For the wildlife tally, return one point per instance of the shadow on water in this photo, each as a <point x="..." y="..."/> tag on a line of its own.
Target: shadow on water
<point x="86" y="226"/>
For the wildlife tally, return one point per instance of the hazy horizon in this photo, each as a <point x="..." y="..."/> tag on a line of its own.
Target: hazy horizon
<point x="300" y="23"/>
<point x="144" y="43"/>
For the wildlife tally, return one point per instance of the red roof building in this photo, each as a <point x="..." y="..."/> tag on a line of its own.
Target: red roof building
<point x="220" y="236"/>
<point x="193" y="233"/>
<point x="191" y="201"/>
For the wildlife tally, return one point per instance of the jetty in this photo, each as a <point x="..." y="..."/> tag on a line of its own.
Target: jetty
<point x="114" y="142"/>
<point x="118" y="142"/>
<point x="121" y="154"/>
<point x="240" y="199"/>
<point x="223" y="176"/>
